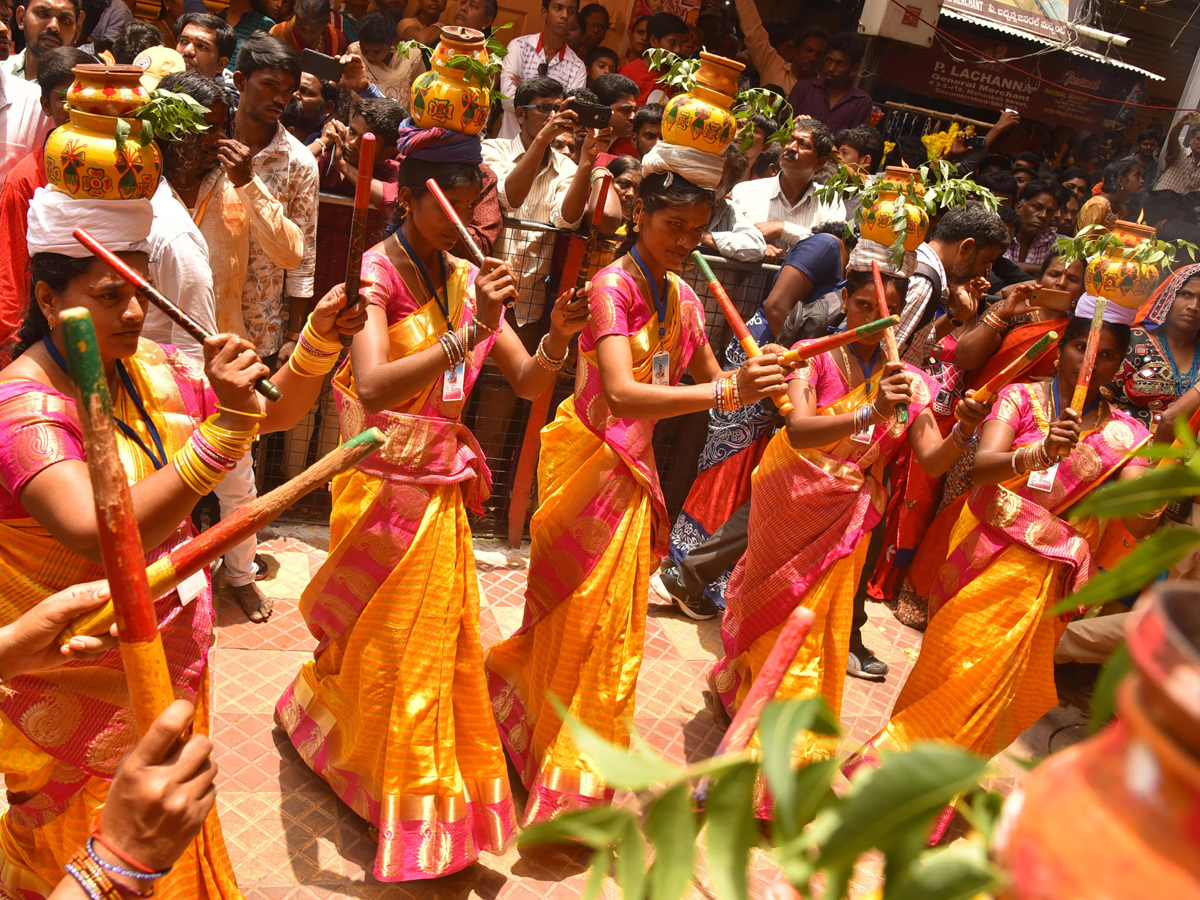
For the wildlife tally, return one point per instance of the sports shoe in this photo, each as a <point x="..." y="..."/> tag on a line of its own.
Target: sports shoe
<point x="666" y="585"/>
<point x="862" y="663"/>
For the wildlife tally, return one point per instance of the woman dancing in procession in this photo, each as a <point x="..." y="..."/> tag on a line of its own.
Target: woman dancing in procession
<point x="602" y="525"/>
<point x="828" y="461"/>
<point x="393" y="711"/>
<point x="986" y="669"/>
<point x="180" y="429"/>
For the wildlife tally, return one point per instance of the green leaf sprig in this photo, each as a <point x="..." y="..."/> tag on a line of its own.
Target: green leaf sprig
<point x="1096" y="240"/>
<point x="170" y="115"/>
<point x="473" y="70"/>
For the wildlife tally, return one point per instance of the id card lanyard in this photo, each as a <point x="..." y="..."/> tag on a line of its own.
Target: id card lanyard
<point x="660" y="364"/>
<point x="452" y="381"/>
<point x="864" y="436"/>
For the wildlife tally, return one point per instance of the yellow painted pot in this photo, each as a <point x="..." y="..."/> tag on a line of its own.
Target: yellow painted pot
<point x="890" y="203"/>
<point x="82" y="160"/>
<point x="447" y="98"/>
<point x="701" y="118"/>
<point x="107" y="90"/>
<point x="1123" y="281"/>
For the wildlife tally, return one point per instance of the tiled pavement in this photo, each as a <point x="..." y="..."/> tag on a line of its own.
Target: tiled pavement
<point x="289" y="837"/>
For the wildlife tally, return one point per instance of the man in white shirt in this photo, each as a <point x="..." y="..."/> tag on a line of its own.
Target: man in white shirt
<point x="23" y="124"/>
<point x="545" y="53"/>
<point x="784" y="207"/>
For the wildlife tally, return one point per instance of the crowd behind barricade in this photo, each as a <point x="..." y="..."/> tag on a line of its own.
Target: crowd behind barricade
<point x="950" y="506"/>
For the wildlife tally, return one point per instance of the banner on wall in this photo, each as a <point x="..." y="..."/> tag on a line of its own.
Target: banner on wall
<point x="1045" y="18"/>
<point x="991" y="86"/>
<point x="688" y="10"/>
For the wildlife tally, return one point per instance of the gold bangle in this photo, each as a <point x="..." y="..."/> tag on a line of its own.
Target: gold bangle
<point x="239" y="412"/>
<point x="319" y="343"/>
<point x="198" y="475"/>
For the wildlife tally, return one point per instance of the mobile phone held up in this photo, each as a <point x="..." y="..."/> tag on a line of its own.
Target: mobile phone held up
<point x="323" y="67"/>
<point x="591" y="115"/>
<point x="1049" y="298"/>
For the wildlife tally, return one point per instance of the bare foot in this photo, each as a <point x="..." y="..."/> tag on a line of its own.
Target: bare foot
<point x="254" y="603"/>
<point x="718" y="705"/>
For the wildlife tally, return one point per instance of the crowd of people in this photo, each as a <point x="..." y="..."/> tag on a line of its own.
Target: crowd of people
<point x="885" y="480"/>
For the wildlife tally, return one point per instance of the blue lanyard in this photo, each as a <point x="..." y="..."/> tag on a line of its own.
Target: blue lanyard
<point x="159" y="461"/>
<point x="660" y="302"/>
<point x="424" y="273"/>
<point x="866" y="369"/>
<point x="1181" y="384"/>
<point x="1054" y="395"/>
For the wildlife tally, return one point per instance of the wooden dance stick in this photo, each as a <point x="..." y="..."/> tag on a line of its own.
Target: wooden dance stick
<point x="762" y="691"/>
<point x="1194" y="425"/>
<point x="1089" y="356"/>
<point x="117" y="528"/>
<point x="166" y="573"/>
<point x="358" y="223"/>
<point x="833" y="341"/>
<point x="477" y="256"/>
<point x="169" y="309"/>
<point x="1011" y="372"/>
<point x="740" y="331"/>
<point x="890" y="350"/>
<point x="579" y="261"/>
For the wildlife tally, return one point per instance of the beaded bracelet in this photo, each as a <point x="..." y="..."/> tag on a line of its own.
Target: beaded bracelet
<point x="141" y="875"/>
<point x="496" y="331"/>
<point x="314" y="355"/>
<point x="547" y="361"/>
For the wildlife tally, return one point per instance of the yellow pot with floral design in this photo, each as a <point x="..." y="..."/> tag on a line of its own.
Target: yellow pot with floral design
<point x="701" y="118"/>
<point x="1123" y="281"/>
<point x="83" y="159"/>
<point x="446" y="97"/>
<point x="891" y="202"/>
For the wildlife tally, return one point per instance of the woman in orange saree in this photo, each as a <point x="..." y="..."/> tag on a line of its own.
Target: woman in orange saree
<point x="601" y="526"/>
<point x="63" y="732"/>
<point x="986" y="669"/>
<point x="1010" y="328"/>
<point x="393" y="710"/>
<point x="827" y="461"/>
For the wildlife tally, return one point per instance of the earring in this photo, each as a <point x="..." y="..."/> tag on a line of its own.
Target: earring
<point x="51" y="321"/>
<point x="637" y="226"/>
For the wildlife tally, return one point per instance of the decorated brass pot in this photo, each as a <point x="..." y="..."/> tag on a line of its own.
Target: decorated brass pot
<point x="449" y="98"/>
<point x="1123" y="281"/>
<point x="701" y="118"/>
<point x="82" y="159"/>
<point x="892" y="200"/>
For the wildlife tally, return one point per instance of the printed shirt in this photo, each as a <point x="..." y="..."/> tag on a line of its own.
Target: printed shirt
<point x="525" y="54"/>
<point x="1039" y="250"/>
<point x="530" y="251"/>
<point x="1183" y="176"/>
<point x="289" y="172"/>
<point x="764" y="201"/>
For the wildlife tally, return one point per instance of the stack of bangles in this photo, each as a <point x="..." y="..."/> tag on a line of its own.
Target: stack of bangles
<point x="545" y="360"/>
<point x="455" y="348"/>
<point x="92" y="873"/>
<point x="1033" y="458"/>
<point x="313" y="356"/>
<point x="727" y="396"/>
<point x="961" y="439"/>
<point x="992" y="320"/>
<point x="212" y="451"/>
<point x="862" y="416"/>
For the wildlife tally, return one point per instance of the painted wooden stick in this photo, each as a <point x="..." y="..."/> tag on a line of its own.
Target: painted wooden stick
<point x="1089" y="356"/>
<point x="169" y="309"/>
<point x="358" y="223"/>
<point x="166" y="573"/>
<point x="468" y="241"/>
<point x="1010" y="373"/>
<point x="579" y="260"/>
<point x="740" y="331"/>
<point x="890" y="349"/>
<point x="1194" y="426"/>
<point x="833" y="341"/>
<point x="117" y="528"/>
<point x="762" y="691"/>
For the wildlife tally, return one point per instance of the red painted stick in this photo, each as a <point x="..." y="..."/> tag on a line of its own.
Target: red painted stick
<point x="740" y="331"/>
<point x="1089" y="356"/>
<point x="468" y="241"/>
<point x="170" y="310"/>
<point x="890" y="349"/>
<point x="1010" y="373"/>
<point x="117" y="528"/>
<point x="833" y="341"/>
<point x="579" y="259"/>
<point x="358" y="223"/>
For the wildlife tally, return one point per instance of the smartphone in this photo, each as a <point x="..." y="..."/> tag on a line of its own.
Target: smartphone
<point x="974" y="141"/>
<point x="591" y="115"/>
<point x="326" y="68"/>
<point x="1049" y="298"/>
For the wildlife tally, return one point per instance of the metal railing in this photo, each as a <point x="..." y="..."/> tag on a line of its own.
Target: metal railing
<point x="494" y="413"/>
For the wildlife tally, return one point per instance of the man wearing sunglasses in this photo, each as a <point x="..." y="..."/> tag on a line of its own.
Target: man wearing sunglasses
<point x="546" y="54"/>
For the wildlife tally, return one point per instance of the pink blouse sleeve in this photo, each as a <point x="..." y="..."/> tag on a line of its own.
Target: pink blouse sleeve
<point x="1011" y="407"/>
<point x="610" y="300"/>
<point x="38" y="430"/>
<point x="375" y="284"/>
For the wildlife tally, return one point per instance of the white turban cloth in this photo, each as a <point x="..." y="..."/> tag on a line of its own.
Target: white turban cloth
<point x="1113" y="312"/>
<point x="120" y="225"/>
<point x="700" y="167"/>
